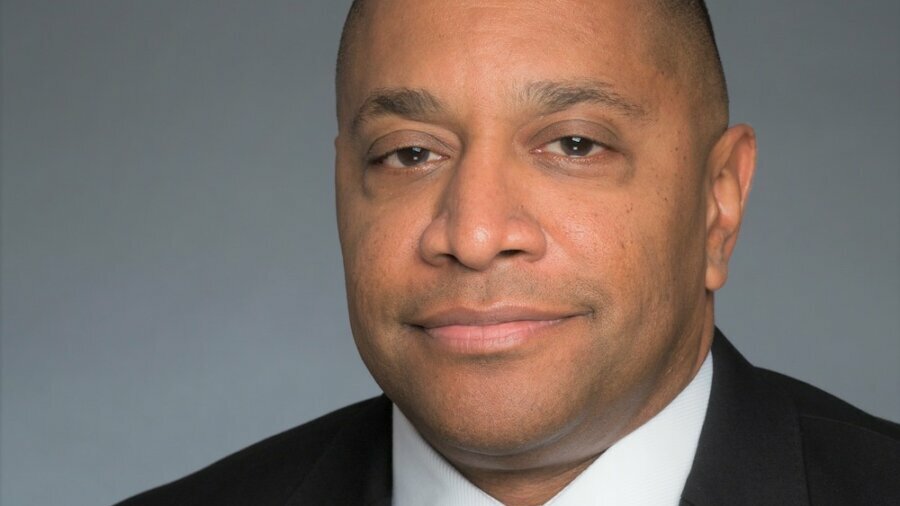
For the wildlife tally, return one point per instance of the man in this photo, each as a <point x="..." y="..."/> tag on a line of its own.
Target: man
<point x="536" y="202"/>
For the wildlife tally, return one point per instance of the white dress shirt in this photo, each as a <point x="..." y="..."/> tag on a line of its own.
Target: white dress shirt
<point x="647" y="467"/>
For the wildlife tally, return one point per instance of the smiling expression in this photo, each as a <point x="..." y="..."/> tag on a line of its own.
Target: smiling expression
<point x="524" y="208"/>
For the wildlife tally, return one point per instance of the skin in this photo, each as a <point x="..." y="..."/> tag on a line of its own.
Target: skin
<point x="617" y="251"/>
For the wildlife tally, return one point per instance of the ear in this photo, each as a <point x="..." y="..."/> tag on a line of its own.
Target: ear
<point x="730" y="168"/>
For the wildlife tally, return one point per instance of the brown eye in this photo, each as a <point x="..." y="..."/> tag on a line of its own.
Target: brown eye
<point x="573" y="146"/>
<point x="404" y="158"/>
<point x="576" y="146"/>
<point x="412" y="156"/>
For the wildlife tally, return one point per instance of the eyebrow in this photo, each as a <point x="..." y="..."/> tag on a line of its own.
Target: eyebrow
<point x="406" y="102"/>
<point x="547" y="96"/>
<point x="554" y="96"/>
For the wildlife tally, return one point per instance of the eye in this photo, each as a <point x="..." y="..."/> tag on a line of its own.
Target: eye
<point x="574" y="146"/>
<point x="407" y="157"/>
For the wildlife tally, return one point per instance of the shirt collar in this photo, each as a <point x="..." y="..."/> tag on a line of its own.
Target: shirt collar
<point x="647" y="467"/>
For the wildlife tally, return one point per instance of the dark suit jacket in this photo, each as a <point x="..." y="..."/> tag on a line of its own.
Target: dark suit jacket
<point x="767" y="440"/>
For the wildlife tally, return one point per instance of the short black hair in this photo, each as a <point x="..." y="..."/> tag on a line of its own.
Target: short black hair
<point x="699" y="39"/>
<point x="351" y="22"/>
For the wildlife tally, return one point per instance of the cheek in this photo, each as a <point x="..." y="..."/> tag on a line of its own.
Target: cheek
<point x="374" y="283"/>
<point x="672" y="257"/>
<point x="380" y="247"/>
<point x="640" y="245"/>
<point x="383" y="242"/>
<point x="599" y="237"/>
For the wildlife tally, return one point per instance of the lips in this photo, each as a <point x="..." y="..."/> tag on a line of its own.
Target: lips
<point x="472" y="331"/>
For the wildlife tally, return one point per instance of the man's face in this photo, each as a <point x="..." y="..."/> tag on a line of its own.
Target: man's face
<point x="522" y="204"/>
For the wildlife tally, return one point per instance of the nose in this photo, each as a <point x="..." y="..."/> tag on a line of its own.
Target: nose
<point x="482" y="218"/>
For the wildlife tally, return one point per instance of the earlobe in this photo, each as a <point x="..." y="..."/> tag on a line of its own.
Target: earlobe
<point x="730" y="166"/>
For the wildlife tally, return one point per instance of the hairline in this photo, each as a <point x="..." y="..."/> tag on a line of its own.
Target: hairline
<point x="697" y="37"/>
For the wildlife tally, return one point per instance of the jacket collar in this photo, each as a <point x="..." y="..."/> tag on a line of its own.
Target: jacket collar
<point x="356" y="467"/>
<point x="750" y="447"/>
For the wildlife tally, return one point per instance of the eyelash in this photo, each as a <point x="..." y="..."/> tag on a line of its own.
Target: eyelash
<point x="380" y="160"/>
<point x="589" y="155"/>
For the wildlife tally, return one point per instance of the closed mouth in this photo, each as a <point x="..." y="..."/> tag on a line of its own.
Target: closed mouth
<point x="495" y="329"/>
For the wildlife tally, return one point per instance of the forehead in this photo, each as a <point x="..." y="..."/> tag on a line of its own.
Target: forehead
<point x="477" y="48"/>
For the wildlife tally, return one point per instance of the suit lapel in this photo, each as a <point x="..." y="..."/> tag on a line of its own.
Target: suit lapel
<point x="750" y="448"/>
<point x="356" y="467"/>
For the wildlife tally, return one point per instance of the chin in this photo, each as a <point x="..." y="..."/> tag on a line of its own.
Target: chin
<point x="498" y="419"/>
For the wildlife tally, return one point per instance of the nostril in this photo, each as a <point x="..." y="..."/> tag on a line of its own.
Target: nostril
<point x="476" y="233"/>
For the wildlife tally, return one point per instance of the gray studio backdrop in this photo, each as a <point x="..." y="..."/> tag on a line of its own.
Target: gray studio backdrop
<point x="171" y="281"/>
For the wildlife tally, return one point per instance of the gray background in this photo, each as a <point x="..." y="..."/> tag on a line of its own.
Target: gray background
<point x="171" y="282"/>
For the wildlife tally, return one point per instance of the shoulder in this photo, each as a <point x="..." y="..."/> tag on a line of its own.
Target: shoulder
<point x="847" y="453"/>
<point x="817" y="407"/>
<point x="269" y="471"/>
